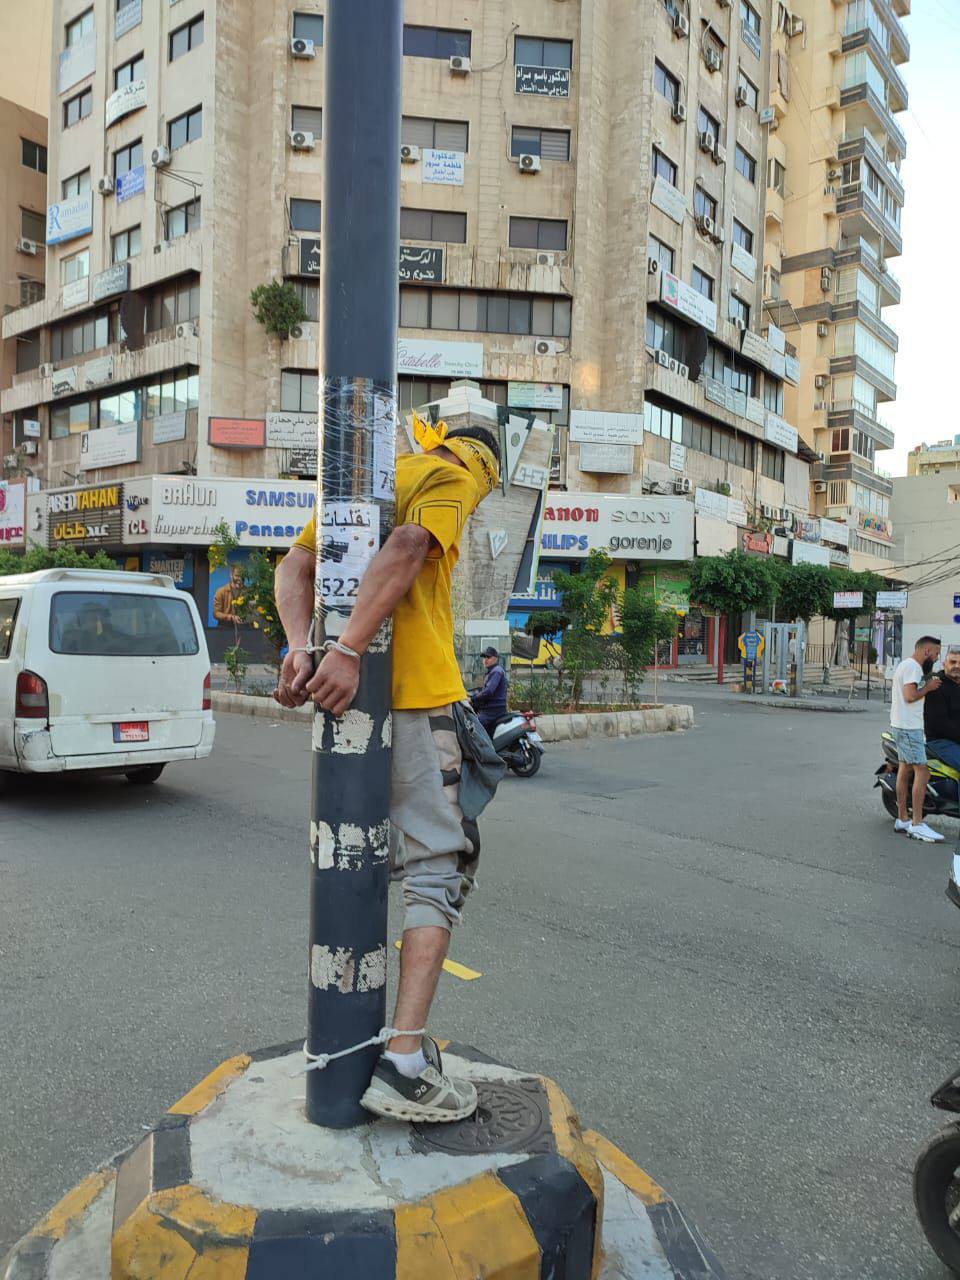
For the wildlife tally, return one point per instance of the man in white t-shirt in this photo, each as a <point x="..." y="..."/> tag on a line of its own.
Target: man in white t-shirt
<point x="906" y="721"/>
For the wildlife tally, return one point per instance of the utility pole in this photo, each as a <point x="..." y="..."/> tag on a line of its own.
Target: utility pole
<point x="355" y="513"/>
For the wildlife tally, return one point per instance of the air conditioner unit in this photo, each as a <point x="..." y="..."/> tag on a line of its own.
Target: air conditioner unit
<point x="10" y="460"/>
<point x="724" y="487"/>
<point x="795" y="25"/>
<point x="29" y="448"/>
<point x="544" y="347"/>
<point x="882" y="266"/>
<point x="741" y="96"/>
<point x="302" y="140"/>
<point x="706" y="225"/>
<point x="653" y="266"/>
<point x="719" y="154"/>
<point x="681" y="25"/>
<point x="707" y="141"/>
<point x="719" y="234"/>
<point x="820" y="486"/>
<point x="823" y="330"/>
<point x="409" y="154"/>
<point x="712" y="58"/>
<point x="106" y="185"/>
<point x="29" y="247"/>
<point x="188" y="330"/>
<point x="768" y="116"/>
<point x="683" y="484"/>
<point x="679" y="112"/>
<point x="739" y="323"/>
<point x="529" y="164"/>
<point x="826" y="279"/>
<point x="546" y="259"/>
<point x="301" y="48"/>
<point x="663" y="359"/>
<point x="821" y="457"/>
<point x="160" y="157"/>
<point x="296" y="331"/>
<point x="833" y="174"/>
<point x="460" y="65"/>
<point x="46" y="371"/>
<point x="768" y="512"/>
<point x="820" y="381"/>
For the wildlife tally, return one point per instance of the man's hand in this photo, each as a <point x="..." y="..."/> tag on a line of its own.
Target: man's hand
<point x="334" y="686"/>
<point x="932" y="685"/>
<point x="296" y="671"/>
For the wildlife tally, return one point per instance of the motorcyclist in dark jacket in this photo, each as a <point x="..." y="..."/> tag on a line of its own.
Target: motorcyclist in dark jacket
<point x="490" y="702"/>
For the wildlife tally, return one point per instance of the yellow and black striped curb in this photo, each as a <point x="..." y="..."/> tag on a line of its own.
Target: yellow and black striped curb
<point x="537" y="1215"/>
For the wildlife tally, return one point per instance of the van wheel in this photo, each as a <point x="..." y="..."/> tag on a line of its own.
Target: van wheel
<point x="146" y="774"/>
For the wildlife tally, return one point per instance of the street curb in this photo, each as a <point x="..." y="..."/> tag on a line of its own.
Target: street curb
<point x="667" y="718"/>
<point x="806" y="704"/>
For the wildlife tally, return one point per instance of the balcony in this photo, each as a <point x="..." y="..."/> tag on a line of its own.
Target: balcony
<point x="853" y="255"/>
<point x="866" y="39"/>
<point x="885" y="387"/>
<point x="859" y="473"/>
<point x="860" y="417"/>
<point x="862" y="216"/>
<point x="863" y="109"/>
<point x="861" y="145"/>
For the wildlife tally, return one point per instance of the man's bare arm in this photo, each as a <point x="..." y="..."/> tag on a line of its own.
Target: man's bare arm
<point x="293" y="587"/>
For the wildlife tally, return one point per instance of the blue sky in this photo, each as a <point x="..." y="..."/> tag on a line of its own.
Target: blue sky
<point x="928" y="363"/>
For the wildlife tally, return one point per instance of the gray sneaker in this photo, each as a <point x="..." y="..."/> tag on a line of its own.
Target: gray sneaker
<point x="430" y="1096"/>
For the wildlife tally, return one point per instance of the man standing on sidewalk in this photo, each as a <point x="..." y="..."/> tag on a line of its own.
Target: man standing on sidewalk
<point x="410" y="580"/>
<point x="906" y="720"/>
<point x="941" y="714"/>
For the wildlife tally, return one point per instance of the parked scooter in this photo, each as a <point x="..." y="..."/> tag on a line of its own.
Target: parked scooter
<point x="936" y="1185"/>
<point x="941" y="797"/>
<point x="516" y="741"/>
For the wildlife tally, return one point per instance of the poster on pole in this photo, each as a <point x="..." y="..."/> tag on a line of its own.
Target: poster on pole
<point x="891" y="599"/>
<point x="848" y="599"/>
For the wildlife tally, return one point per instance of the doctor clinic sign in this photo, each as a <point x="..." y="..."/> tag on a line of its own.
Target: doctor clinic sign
<point x="86" y="517"/>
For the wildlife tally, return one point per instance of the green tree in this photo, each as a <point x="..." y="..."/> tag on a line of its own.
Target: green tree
<point x="277" y="307"/>
<point x="258" y="604"/>
<point x="732" y="583"/>
<point x="804" y="591"/>
<point x="643" y="624"/>
<point x="61" y="558"/>
<point x="586" y="599"/>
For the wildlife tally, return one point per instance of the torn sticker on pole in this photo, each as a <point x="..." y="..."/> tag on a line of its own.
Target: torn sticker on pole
<point x="349" y="538"/>
<point x="384" y="445"/>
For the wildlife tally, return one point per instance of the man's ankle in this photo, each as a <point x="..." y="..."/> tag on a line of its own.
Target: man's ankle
<point x="404" y="1044"/>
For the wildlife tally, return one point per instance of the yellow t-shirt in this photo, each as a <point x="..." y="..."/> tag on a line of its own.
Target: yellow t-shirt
<point x="439" y="496"/>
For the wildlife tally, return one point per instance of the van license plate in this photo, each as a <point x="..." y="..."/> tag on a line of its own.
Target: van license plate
<point x="132" y="731"/>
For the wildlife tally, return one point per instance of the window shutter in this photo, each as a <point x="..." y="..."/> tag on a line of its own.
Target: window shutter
<point x="555" y="144"/>
<point x="449" y="135"/>
<point x="416" y="133"/>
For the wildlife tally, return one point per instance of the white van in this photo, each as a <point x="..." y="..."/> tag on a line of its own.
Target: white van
<point x="101" y="670"/>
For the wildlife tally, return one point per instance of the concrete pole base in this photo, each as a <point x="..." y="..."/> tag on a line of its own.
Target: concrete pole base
<point x="234" y="1184"/>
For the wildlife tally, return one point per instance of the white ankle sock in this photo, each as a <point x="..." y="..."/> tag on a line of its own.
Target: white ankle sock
<point x="408" y="1064"/>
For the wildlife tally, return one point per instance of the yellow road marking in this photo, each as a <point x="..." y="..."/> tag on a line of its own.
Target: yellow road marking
<point x="451" y="966"/>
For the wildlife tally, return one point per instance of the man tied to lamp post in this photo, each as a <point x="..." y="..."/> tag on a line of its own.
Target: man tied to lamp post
<point x="410" y="579"/>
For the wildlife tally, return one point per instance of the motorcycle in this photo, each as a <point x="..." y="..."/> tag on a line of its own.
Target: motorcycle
<point x="516" y="741"/>
<point x="936" y="1184"/>
<point x="941" y="797"/>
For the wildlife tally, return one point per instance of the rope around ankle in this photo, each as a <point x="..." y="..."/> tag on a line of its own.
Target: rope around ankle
<point x="317" y="1061"/>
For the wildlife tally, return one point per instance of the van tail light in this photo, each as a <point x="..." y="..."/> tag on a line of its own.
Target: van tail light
<point x="205" y="705"/>
<point x="32" y="700"/>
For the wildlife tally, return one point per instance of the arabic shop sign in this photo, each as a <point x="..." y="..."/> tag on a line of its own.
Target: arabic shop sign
<point x="442" y="359"/>
<point x="292" y="431"/>
<point x="110" y="446"/>
<point x="131" y="183"/>
<point x="85" y="517"/>
<point x="549" y="82"/>
<point x="128" y="17"/>
<point x="687" y="301"/>
<point x="12" y="505"/>
<point x="111" y="282"/>
<point x="443" y="167"/>
<point x="421" y="265"/>
<point x="309" y="257"/>
<point x="129" y="97"/>
<point x="70" y="218"/>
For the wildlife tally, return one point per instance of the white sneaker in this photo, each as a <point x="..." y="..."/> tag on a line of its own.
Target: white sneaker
<point x="903" y="824"/>
<point x="920" y="831"/>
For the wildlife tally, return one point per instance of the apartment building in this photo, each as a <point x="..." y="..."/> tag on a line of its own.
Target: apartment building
<point x="833" y="219"/>
<point x="583" y="222"/>
<point x="931" y="459"/>
<point x="926" y="518"/>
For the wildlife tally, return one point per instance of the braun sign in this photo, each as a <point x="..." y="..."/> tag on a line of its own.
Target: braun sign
<point x="625" y="528"/>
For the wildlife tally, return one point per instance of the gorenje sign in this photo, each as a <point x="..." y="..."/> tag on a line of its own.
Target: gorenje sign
<point x="626" y="528"/>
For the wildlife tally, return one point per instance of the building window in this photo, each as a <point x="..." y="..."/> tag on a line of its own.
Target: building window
<point x="749" y="17"/>
<point x="127" y="158"/>
<point x="529" y="51"/>
<point x="702" y="283"/>
<point x="33" y="155"/>
<point x="182" y="220"/>
<point x="433" y="224"/>
<point x="725" y="366"/>
<point x="661" y="421"/>
<point x="708" y="125"/>
<point x="174" y="303"/>
<point x="33" y="226"/>
<point x="704" y="205"/>
<point x="307" y="120"/>
<point x="748" y="90"/>
<point x="468" y="311"/>
<point x="185" y="128"/>
<point x="31" y="290"/>
<point x="773" y="394"/>
<point x="76" y="267"/>
<point x="79" y="27"/>
<point x="298" y="391"/>
<point x="772" y="463"/>
<point x="77" y="108"/>
<point x="660" y="252"/>
<point x="746" y="165"/>
<point x="664" y="168"/>
<point x="80" y="337"/>
<point x="28" y="352"/>
<point x="304" y="214"/>
<point x="444" y="135"/>
<point x="308" y="26"/>
<point x="68" y="419"/>
<point x="777" y="177"/>
<point x="129" y="72"/>
<point x="185" y="38"/>
<point x="550" y="144"/>
<point x="739" y="310"/>
<point x="742" y="236"/>
<point x="308" y="291"/>
<point x="666" y="84"/>
<point x="78" y="184"/>
<point x="435" y="42"/>
<point x="664" y="333"/>
<point x="172" y="393"/>
<point x="125" y="244"/>
<point x="538" y="233"/>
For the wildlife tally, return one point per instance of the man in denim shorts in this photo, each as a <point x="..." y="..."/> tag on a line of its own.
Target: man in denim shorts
<point x="906" y="721"/>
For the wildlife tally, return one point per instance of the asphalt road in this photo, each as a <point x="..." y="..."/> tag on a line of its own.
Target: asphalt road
<point x="712" y="940"/>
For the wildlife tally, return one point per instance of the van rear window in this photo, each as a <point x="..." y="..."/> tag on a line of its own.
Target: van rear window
<point x="8" y="617"/>
<point x="107" y="624"/>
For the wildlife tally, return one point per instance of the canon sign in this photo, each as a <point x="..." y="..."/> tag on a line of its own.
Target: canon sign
<point x="625" y="528"/>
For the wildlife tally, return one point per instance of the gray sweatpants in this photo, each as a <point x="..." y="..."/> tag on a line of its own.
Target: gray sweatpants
<point x="434" y="850"/>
